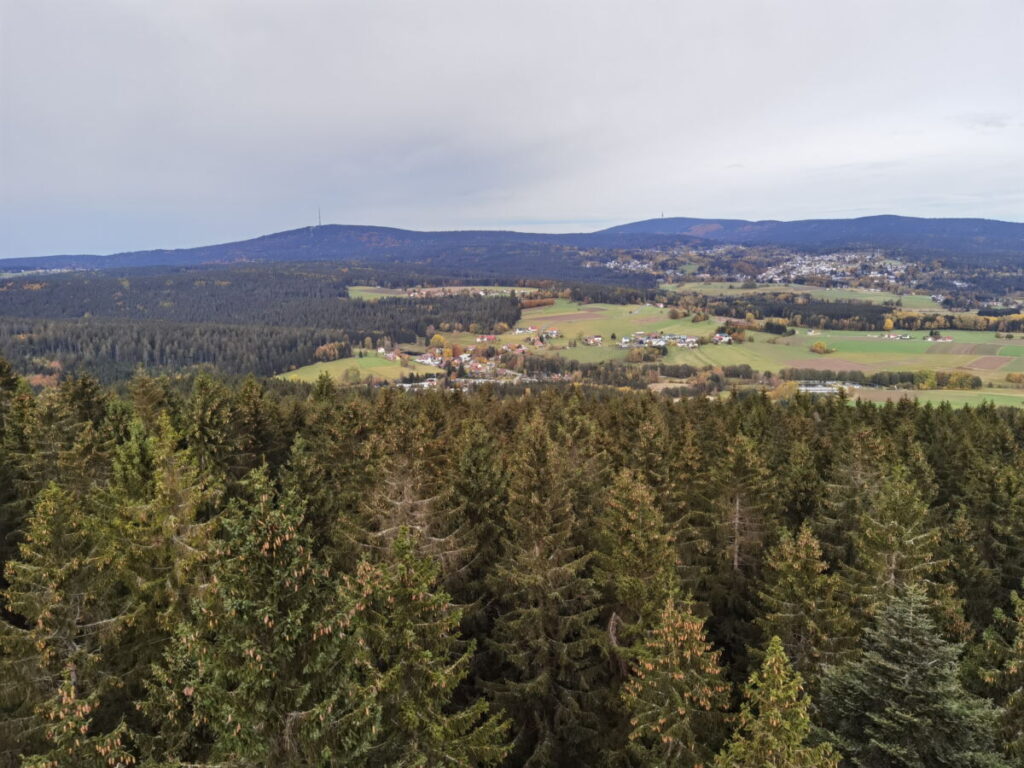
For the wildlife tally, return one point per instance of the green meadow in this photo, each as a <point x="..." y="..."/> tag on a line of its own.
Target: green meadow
<point x="373" y="292"/>
<point x="909" y="300"/>
<point x="371" y="365"/>
<point x="956" y="398"/>
<point x="977" y="352"/>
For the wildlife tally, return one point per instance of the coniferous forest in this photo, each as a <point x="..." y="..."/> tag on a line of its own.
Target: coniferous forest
<point x="204" y="573"/>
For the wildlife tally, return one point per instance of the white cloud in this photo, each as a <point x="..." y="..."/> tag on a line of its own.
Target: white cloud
<point x="131" y="124"/>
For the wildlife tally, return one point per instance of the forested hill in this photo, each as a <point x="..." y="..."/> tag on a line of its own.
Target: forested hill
<point x="558" y="255"/>
<point x="501" y="253"/>
<point x="966" y="237"/>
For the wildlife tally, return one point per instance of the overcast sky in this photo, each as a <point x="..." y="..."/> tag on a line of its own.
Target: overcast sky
<point x="130" y="124"/>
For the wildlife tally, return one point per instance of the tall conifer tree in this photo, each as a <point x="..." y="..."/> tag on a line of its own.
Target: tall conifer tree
<point x="544" y="646"/>
<point x="901" y="703"/>
<point x="802" y="605"/>
<point x="774" y="723"/>
<point x="676" y="694"/>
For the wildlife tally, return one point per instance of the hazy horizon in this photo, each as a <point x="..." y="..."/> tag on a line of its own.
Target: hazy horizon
<point x="127" y="126"/>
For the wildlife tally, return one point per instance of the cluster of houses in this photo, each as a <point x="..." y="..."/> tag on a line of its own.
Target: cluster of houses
<point x="908" y="337"/>
<point x="551" y="333"/>
<point x="846" y="267"/>
<point x="657" y="339"/>
<point x="473" y="366"/>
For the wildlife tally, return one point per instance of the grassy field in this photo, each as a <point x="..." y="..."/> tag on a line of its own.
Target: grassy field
<point x="976" y="352"/>
<point x="372" y="292"/>
<point x="909" y="301"/>
<point x="1012" y="397"/>
<point x="371" y="365"/>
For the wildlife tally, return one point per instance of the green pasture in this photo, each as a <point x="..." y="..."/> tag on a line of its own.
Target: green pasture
<point x="378" y="367"/>
<point x="976" y="351"/>
<point x="372" y="292"/>
<point x="605" y="319"/>
<point x="957" y="399"/>
<point x="909" y="301"/>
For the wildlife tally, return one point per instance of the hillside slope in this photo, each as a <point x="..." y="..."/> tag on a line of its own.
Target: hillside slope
<point x="506" y="252"/>
<point x="966" y="237"/>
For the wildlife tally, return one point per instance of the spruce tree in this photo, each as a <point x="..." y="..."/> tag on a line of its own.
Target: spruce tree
<point x="901" y="703"/>
<point x="475" y="491"/>
<point x="676" y="693"/>
<point x="410" y="665"/>
<point x="802" y="605"/>
<point x="634" y="562"/>
<point x="774" y="721"/>
<point x="236" y="683"/>
<point x="997" y="663"/>
<point x="894" y="541"/>
<point x="742" y="517"/>
<point x="281" y="662"/>
<point x="61" y="665"/>
<point x="1013" y="670"/>
<point x="544" y="648"/>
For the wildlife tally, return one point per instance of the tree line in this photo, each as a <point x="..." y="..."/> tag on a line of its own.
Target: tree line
<point x="239" y="334"/>
<point x="199" y="573"/>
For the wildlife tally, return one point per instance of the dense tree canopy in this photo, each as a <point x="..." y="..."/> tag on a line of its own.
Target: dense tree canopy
<point x="202" y="572"/>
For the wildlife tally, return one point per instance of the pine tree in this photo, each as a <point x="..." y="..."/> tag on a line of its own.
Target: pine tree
<point x="894" y="541"/>
<point x="901" y="703"/>
<point x="236" y="682"/>
<point x="282" y="663"/>
<point x="475" y="492"/>
<point x="742" y="517"/>
<point x="774" y="723"/>
<point x="802" y="605"/>
<point x="998" y="663"/>
<point x="59" y="662"/>
<point x="411" y="664"/>
<point x="544" y="646"/>
<point x="634" y="562"/>
<point x="676" y="693"/>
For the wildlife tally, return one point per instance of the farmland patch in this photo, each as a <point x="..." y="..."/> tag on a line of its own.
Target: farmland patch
<point x="989" y="363"/>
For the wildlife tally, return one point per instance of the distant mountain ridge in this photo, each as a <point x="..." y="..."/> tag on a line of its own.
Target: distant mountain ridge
<point x="971" y="238"/>
<point x="902" y="233"/>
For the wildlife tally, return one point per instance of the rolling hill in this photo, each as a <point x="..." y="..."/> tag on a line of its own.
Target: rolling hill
<point x="506" y="252"/>
<point x="963" y="237"/>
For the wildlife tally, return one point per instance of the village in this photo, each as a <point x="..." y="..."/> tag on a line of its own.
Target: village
<point x="482" y="362"/>
<point x="852" y="267"/>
